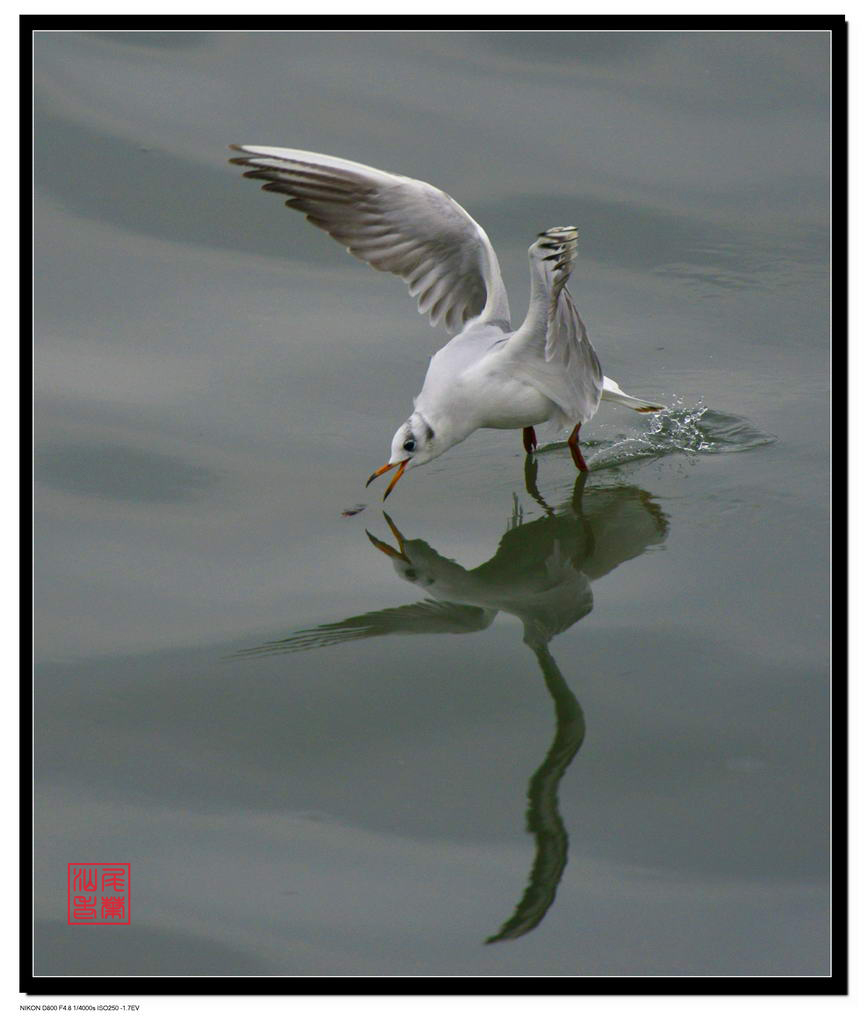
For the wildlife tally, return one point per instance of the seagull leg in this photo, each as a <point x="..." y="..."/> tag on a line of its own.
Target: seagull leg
<point x="575" y="450"/>
<point x="529" y="439"/>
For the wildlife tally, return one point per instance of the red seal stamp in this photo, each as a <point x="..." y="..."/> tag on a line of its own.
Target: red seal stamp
<point x="98" y="893"/>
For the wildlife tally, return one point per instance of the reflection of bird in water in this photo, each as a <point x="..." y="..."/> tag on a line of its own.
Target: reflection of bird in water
<point x="543" y="818"/>
<point x="541" y="573"/>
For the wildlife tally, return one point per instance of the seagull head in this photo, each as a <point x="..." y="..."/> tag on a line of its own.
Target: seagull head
<point x="414" y="560"/>
<point x="414" y="443"/>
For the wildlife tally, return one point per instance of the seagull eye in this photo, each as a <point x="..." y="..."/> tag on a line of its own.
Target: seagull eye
<point x="409" y="445"/>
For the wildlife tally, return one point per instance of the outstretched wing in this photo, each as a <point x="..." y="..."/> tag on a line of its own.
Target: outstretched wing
<point x="394" y="223"/>
<point x="564" y="366"/>
<point x="423" y="617"/>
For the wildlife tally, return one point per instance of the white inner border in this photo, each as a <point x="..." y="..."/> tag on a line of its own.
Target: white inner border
<point x="423" y="1009"/>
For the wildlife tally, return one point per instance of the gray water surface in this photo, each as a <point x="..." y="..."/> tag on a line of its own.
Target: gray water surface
<point x="585" y="719"/>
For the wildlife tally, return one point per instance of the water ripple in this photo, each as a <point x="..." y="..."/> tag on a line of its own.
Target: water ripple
<point x="694" y="430"/>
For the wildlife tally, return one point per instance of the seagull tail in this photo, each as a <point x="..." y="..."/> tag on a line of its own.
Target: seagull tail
<point x="613" y="393"/>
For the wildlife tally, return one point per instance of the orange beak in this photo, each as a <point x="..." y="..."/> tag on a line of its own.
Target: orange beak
<point x="396" y="476"/>
<point x="386" y="548"/>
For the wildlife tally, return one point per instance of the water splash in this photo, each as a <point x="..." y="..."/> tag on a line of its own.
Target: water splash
<point x="677" y="430"/>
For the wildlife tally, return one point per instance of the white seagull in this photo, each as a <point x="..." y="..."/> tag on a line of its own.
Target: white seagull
<point x="488" y="375"/>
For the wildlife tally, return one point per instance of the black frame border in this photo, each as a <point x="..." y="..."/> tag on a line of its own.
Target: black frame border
<point x="131" y="986"/>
